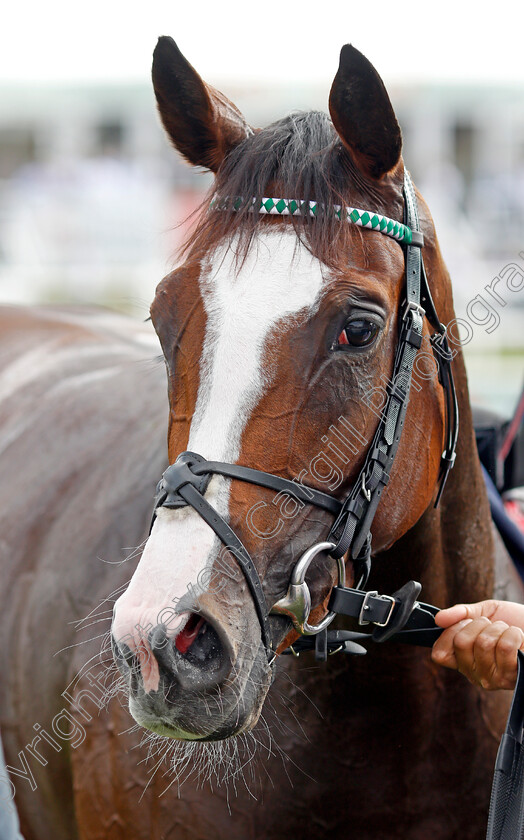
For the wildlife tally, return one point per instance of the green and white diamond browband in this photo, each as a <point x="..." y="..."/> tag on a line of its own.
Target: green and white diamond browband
<point x="294" y="207"/>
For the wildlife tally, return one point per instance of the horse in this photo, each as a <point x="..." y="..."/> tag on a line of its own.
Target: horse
<point x="78" y="387"/>
<point x="279" y="333"/>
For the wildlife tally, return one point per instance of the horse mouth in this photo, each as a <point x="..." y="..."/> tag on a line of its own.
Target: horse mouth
<point x="203" y="690"/>
<point x="198" y="716"/>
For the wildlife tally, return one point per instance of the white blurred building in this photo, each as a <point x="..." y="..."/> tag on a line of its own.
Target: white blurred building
<point x="91" y="193"/>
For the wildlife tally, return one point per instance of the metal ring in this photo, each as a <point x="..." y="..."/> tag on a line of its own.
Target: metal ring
<point x="366" y="492"/>
<point x="296" y="604"/>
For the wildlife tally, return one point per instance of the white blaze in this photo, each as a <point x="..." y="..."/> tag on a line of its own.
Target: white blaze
<point x="279" y="280"/>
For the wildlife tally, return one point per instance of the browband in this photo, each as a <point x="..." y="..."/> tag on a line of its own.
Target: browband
<point x="295" y="207"/>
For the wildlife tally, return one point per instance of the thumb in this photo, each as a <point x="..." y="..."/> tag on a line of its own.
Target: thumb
<point x="452" y="615"/>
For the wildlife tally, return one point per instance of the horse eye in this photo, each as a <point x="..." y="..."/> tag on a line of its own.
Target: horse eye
<point x="358" y="333"/>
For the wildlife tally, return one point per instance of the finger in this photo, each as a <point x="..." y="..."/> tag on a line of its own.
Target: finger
<point x="443" y="652"/>
<point x="485" y="645"/>
<point x="511" y="641"/>
<point x="464" y="644"/>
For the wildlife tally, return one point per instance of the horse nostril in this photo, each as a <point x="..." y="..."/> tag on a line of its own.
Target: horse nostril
<point x="198" y="642"/>
<point x="188" y="634"/>
<point x="197" y="648"/>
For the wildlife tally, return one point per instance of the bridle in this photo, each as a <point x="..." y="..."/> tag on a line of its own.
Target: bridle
<point x="185" y="482"/>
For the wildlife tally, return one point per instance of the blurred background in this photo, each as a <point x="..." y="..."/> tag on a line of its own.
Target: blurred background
<point x="93" y="200"/>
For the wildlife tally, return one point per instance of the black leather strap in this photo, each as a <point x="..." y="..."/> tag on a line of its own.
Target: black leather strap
<point x="273" y="482"/>
<point x="190" y="494"/>
<point x="398" y="617"/>
<point x="368" y="607"/>
<point x="190" y="468"/>
<point x="443" y="354"/>
<point x="352" y="527"/>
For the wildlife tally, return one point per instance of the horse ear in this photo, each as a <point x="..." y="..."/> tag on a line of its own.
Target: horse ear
<point x="363" y="115"/>
<point x="203" y="125"/>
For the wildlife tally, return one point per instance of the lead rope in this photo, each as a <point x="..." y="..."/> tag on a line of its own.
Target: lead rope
<point x="506" y="808"/>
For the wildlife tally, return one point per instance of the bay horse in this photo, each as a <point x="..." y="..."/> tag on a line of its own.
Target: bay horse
<point x="277" y="332"/>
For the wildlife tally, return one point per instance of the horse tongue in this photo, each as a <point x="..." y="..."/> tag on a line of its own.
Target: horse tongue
<point x="188" y="634"/>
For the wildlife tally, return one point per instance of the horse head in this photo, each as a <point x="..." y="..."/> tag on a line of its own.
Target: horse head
<point x="279" y="333"/>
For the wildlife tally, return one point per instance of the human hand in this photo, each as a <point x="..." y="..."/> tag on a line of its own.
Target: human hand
<point x="481" y="641"/>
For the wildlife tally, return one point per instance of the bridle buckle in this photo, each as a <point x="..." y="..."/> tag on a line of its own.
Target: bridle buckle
<point x="365" y="606"/>
<point x="411" y="306"/>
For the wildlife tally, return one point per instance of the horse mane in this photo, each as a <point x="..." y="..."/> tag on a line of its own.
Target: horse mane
<point x="298" y="157"/>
